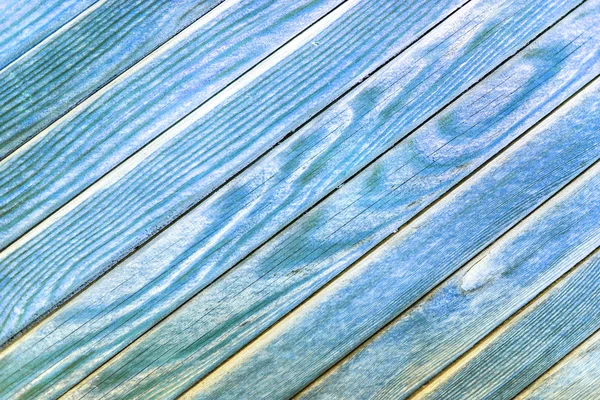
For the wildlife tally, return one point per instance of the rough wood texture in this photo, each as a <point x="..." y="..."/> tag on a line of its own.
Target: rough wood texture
<point x="435" y="331"/>
<point x="149" y="190"/>
<point x="45" y="83"/>
<point x="521" y="350"/>
<point x="320" y="198"/>
<point x="122" y="299"/>
<point x="408" y="265"/>
<point x="24" y="25"/>
<point x="255" y="294"/>
<point x="575" y="377"/>
<point x="170" y="83"/>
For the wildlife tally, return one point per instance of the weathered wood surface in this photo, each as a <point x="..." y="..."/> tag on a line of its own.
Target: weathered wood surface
<point x="133" y="305"/>
<point x="45" y="83"/>
<point x="480" y="296"/>
<point x="329" y="198"/>
<point x="132" y="110"/>
<point x="250" y="298"/>
<point x="521" y="350"/>
<point x="409" y="264"/>
<point x="111" y="218"/>
<point x="577" y="376"/>
<point x="25" y="25"/>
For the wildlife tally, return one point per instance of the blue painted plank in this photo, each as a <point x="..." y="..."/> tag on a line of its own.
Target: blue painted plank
<point x="25" y="25"/>
<point x="117" y="214"/>
<point x="575" y="377"/>
<point x="244" y="302"/>
<point x="313" y="338"/>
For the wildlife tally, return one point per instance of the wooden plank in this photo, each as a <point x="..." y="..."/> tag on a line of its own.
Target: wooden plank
<point x="251" y="297"/>
<point x="150" y="97"/>
<point x="520" y="351"/>
<point x="478" y="298"/>
<point x="117" y="214"/>
<point x="24" y="25"/>
<point x="575" y="377"/>
<point x="46" y="83"/>
<point x="332" y="323"/>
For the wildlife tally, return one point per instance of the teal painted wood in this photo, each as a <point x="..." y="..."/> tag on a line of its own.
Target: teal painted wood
<point x="509" y="360"/>
<point x="191" y="352"/>
<point x="44" y="84"/>
<point x="247" y="300"/>
<point x="332" y="323"/>
<point x="575" y="377"/>
<point x="84" y="145"/>
<point x="124" y="273"/>
<point x="479" y="297"/>
<point x="118" y="213"/>
<point x="24" y="25"/>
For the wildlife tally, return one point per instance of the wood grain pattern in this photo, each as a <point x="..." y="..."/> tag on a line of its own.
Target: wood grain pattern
<point x="575" y="377"/>
<point x="85" y="144"/>
<point x="313" y="198"/>
<point x="109" y="220"/>
<point x="351" y="309"/>
<point x="520" y="351"/>
<point x="44" y="84"/>
<point x="250" y="298"/>
<point x="479" y="297"/>
<point x="23" y="25"/>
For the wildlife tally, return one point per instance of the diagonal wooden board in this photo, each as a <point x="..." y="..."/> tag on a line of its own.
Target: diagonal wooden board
<point x="231" y="305"/>
<point x="255" y="308"/>
<point x="227" y="324"/>
<point x="476" y="299"/>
